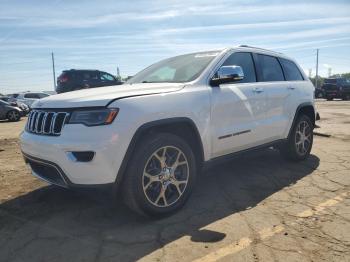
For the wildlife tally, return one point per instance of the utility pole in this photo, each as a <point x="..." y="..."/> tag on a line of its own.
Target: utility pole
<point x="316" y="78"/>
<point x="329" y="71"/>
<point x="53" y="70"/>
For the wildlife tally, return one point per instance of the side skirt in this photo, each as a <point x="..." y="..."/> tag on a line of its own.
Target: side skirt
<point x="221" y="159"/>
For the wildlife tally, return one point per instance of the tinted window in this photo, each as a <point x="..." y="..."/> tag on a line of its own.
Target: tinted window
<point x="31" y="95"/>
<point x="291" y="71"/>
<point x="42" y="95"/>
<point x="270" y="68"/>
<point x="89" y="75"/>
<point x="245" y="61"/>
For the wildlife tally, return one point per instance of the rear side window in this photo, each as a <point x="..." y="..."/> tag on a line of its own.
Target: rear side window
<point x="32" y="95"/>
<point x="42" y="95"/>
<point x="244" y="60"/>
<point x="291" y="71"/>
<point x="270" y="68"/>
<point x="89" y="75"/>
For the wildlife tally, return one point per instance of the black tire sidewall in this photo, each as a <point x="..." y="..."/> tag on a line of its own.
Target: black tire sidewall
<point x="135" y="173"/>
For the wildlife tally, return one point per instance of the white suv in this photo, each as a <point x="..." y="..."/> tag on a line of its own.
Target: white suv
<point x="153" y="135"/>
<point x="29" y="98"/>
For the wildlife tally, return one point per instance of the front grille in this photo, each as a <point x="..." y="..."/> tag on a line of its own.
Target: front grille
<point x="46" y="122"/>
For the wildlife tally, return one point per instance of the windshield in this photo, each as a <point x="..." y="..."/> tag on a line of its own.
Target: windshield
<point x="330" y="81"/>
<point x="2" y="102"/>
<point x="179" y="69"/>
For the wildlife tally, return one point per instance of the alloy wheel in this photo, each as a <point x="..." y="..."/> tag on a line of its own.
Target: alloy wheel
<point x="13" y="115"/>
<point x="303" y="138"/>
<point x="165" y="176"/>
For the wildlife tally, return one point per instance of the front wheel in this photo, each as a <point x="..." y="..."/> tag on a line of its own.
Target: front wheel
<point x="160" y="176"/>
<point x="299" y="143"/>
<point x="13" y="116"/>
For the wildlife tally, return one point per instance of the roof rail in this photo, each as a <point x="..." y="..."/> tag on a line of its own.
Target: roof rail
<point x="258" y="48"/>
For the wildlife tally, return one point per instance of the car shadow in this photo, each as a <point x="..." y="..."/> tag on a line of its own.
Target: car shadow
<point x="52" y="224"/>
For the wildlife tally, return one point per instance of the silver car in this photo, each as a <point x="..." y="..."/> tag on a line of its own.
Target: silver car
<point x="9" y="112"/>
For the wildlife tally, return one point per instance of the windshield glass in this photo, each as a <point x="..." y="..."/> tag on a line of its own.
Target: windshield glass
<point x="2" y="102"/>
<point x="330" y="81"/>
<point x="179" y="69"/>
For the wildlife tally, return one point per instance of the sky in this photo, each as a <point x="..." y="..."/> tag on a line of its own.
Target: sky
<point x="131" y="35"/>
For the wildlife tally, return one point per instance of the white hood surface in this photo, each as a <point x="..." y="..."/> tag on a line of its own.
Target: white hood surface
<point x="101" y="96"/>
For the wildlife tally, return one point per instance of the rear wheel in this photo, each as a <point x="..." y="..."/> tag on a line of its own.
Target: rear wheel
<point x="346" y="97"/>
<point x="13" y="116"/>
<point x="329" y="98"/>
<point x="299" y="143"/>
<point x="160" y="176"/>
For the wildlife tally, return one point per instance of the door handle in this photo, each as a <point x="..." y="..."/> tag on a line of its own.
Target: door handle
<point x="258" y="90"/>
<point x="291" y="87"/>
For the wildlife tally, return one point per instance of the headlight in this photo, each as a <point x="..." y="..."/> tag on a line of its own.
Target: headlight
<point x="94" y="117"/>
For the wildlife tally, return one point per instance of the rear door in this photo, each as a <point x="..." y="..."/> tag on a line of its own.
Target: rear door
<point x="90" y="79"/>
<point x="280" y="96"/>
<point x="237" y="108"/>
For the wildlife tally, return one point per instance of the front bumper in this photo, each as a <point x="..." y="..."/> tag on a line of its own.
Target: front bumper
<point x="50" y="156"/>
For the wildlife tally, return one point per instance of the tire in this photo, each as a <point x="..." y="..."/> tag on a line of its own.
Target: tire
<point x="346" y="97"/>
<point x="171" y="187"/>
<point x="13" y="116"/>
<point x="320" y="95"/>
<point x="299" y="143"/>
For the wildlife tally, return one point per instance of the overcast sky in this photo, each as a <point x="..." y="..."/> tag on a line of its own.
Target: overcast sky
<point x="133" y="34"/>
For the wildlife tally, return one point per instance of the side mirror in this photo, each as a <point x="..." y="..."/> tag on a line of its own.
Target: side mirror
<point x="227" y="74"/>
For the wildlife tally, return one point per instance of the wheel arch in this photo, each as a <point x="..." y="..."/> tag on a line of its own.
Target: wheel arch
<point x="181" y="126"/>
<point x="306" y="108"/>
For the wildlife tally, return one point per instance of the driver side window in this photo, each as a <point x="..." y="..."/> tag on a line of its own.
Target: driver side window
<point x="245" y="61"/>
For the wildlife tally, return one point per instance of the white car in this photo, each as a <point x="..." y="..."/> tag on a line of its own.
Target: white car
<point x="29" y="98"/>
<point x="152" y="136"/>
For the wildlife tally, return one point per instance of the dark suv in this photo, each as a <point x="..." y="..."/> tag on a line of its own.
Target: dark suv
<point x="336" y="88"/>
<point x="71" y="80"/>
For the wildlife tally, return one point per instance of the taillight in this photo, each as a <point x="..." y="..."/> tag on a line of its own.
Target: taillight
<point x="63" y="78"/>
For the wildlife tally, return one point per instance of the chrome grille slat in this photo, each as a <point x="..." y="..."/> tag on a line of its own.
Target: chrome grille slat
<point x="37" y="122"/>
<point x="52" y="126"/>
<point x="46" y="122"/>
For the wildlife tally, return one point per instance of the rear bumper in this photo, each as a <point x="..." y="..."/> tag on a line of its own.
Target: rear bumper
<point x="337" y="93"/>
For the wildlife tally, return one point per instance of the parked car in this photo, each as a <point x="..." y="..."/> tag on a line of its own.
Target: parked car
<point x="13" y="102"/>
<point x="29" y="98"/>
<point x="71" y="80"/>
<point x="11" y="113"/>
<point x="336" y="88"/>
<point x="151" y="136"/>
<point x="319" y="93"/>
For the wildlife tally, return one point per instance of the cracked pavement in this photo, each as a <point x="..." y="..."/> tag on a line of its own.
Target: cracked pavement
<point x="257" y="207"/>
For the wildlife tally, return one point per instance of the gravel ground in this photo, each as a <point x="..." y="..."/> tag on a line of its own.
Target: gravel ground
<point x="257" y="207"/>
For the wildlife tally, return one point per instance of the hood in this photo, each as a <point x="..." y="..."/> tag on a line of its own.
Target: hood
<point x="101" y="96"/>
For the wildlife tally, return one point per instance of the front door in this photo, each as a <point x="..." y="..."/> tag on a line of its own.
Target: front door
<point x="237" y="109"/>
